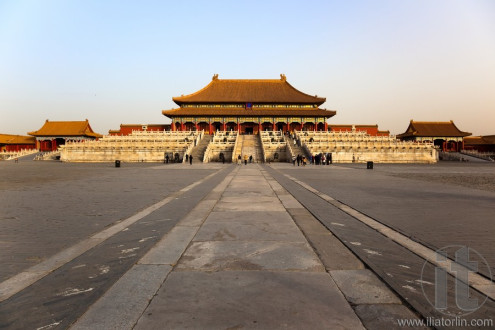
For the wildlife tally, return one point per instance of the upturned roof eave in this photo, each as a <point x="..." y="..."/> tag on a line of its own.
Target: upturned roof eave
<point x="193" y="98"/>
<point x="181" y="112"/>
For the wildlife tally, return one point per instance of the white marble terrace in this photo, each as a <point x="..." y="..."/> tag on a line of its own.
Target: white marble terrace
<point x="360" y="147"/>
<point x="224" y="143"/>
<point x="137" y="147"/>
<point x="275" y="147"/>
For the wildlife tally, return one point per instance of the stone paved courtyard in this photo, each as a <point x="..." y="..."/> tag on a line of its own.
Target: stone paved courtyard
<point x="256" y="235"/>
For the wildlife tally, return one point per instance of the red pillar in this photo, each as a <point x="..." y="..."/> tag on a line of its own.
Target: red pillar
<point x="239" y="127"/>
<point x="259" y="128"/>
<point x="182" y="127"/>
<point x="224" y="126"/>
<point x="326" y="126"/>
<point x="274" y="127"/>
<point x="209" y="128"/>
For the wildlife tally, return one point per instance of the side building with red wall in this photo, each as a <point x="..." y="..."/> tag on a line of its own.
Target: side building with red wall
<point x="55" y="133"/>
<point x="485" y="143"/>
<point x="444" y="135"/>
<point x="15" y="143"/>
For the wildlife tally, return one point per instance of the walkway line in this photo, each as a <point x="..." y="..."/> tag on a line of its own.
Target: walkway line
<point x="125" y="302"/>
<point x="476" y="281"/>
<point x="19" y="282"/>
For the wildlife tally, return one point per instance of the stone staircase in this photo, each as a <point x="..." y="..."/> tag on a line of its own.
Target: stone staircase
<point x="249" y="145"/>
<point x="238" y="148"/>
<point x="296" y="149"/>
<point x="198" y="151"/>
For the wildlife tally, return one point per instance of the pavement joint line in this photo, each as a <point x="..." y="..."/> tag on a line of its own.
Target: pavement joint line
<point x="22" y="280"/>
<point x="188" y="233"/>
<point x="476" y="281"/>
<point x="393" y="298"/>
<point x="93" y="318"/>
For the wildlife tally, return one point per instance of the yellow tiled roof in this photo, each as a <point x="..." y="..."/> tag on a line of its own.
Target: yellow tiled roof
<point x="66" y="128"/>
<point x="249" y="90"/>
<point x="16" y="139"/>
<point x="433" y="129"/>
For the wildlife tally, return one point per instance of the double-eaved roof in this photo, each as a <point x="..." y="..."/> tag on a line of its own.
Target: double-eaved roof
<point x="261" y="97"/>
<point x="65" y="129"/>
<point x="432" y="129"/>
<point x="266" y="91"/>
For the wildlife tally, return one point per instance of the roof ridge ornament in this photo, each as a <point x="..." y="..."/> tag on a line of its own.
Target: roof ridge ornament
<point x="215" y="76"/>
<point x="283" y="77"/>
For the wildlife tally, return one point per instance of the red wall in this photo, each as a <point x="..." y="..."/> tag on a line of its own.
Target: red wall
<point x="127" y="129"/>
<point x="18" y="147"/>
<point x="371" y="130"/>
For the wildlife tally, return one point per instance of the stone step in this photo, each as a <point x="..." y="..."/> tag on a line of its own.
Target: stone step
<point x="198" y="151"/>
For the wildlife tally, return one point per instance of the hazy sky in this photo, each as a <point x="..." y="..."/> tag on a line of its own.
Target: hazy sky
<point x="376" y="62"/>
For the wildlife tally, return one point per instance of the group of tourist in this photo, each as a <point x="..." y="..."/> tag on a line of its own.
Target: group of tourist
<point x="176" y="159"/>
<point x="246" y="159"/>
<point x="317" y="159"/>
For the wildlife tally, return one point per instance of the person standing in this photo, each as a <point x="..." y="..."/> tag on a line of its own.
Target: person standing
<point x="190" y="160"/>
<point x="245" y="159"/>
<point x="239" y="159"/>
<point x="294" y="160"/>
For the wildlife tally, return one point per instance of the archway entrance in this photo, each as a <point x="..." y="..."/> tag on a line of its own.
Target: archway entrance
<point x="267" y="126"/>
<point x="189" y="126"/>
<point x="231" y="126"/>
<point x="295" y="126"/>
<point x="217" y="126"/>
<point x="204" y="126"/>
<point x="247" y="128"/>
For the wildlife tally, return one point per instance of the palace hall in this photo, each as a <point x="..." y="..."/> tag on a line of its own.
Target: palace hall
<point x="248" y="106"/>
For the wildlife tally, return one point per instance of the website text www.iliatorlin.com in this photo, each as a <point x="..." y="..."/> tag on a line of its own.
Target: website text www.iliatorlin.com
<point x="445" y="322"/>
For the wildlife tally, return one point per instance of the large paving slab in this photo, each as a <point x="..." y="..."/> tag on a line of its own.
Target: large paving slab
<point x="250" y="217"/>
<point x="250" y="204"/>
<point x="249" y="266"/>
<point x="241" y="230"/>
<point x="249" y="226"/>
<point x="249" y="255"/>
<point x="239" y="299"/>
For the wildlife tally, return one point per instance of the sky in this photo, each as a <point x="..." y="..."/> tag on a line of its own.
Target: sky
<point x="121" y="62"/>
